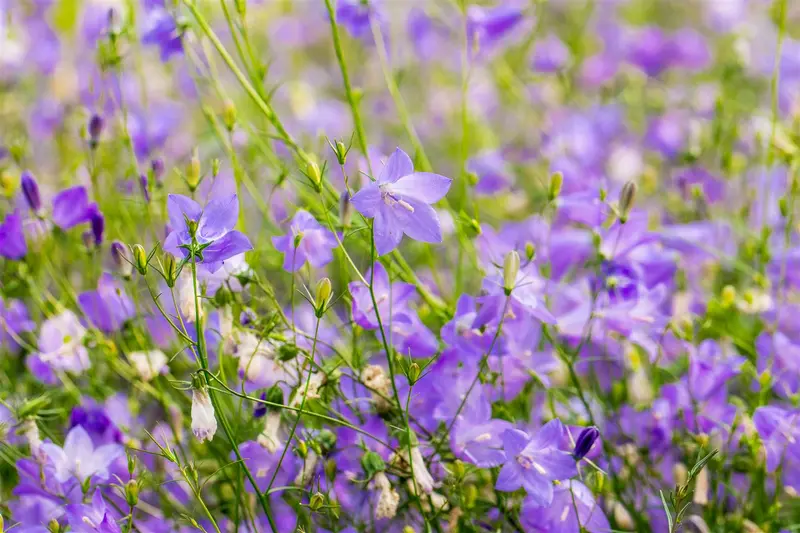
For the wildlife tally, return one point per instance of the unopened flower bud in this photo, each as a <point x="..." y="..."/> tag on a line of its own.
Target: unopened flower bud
<point x="148" y="364"/>
<point x="53" y="526"/>
<point x="728" y="296"/>
<point x="94" y="129"/>
<point x="156" y="171"/>
<point x="287" y="352"/>
<point x="140" y="259"/>
<point x="215" y="166"/>
<point x="372" y="463"/>
<point x="510" y="271"/>
<point x="626" y="197"/>
<point x="241" y="7"/>
<point x="556" y="182"/>
<point x="144" y="185"/>
<point x="341" y="152"/>
<point x="171" y="271"/>
<point x="119" y="255"/>
<point x="345" y="210"/>
<point x="317" y="501"/>
<point x="131" y="464"/>
<point x="314" y="174"/>
<point x="585" y="442"/>
<point x="530" y="251"/>
<point x="8" y="182"/>
<point x="132" y="493"/>
<point x="229" y="115"/>
<point x="302" y="448"/>
<point x="323" y="295"/>
<point x="783" y="206"/>
<point x="470" y="496"/>
<point x="192" y="175"/>
<point x="413" y="373"/>
<point x="30" y="189"/>
<point x="98" y="225"/>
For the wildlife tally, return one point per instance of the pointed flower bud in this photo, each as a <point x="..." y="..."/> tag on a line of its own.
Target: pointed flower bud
<point x="204" y="422"/>
<point x="341" y="152"/>
<point x="98" y="225"/>
<point x="229" y="114"/>
<point x="510" y="271"/>
<point x="626" y="198"/>
<point x="140" y="259"/>
<point x="323" y="295"/>
<point x="119" y="255"/>
<point x="372" y="463"/>
<point x="171" y="271"/>
<point x="530" y="251"/>
<point x="413" y="373"/>
<point x="314" y="174"/>
<point x="30" y="189"/>
<point x="585" y="442"/>
<point x="317" y="501"/>
<point x="192" y="175"/>
<point x="132" y="492"/>
<point x="94" y="129"/>
<point x="556" y="182"/>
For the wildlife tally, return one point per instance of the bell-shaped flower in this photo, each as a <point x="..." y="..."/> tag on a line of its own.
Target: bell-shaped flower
<point x="306" y="240"/>
<point x="79" y="458"/>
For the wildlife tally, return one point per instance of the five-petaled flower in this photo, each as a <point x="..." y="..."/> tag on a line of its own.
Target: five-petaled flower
<point x="399" y="201"/>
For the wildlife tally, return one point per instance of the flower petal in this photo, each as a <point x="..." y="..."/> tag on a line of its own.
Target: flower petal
<point x="368" y="200"/>
<point x="178" y="206"/>
<point x="218" y="218"/>
<point x="233" y="243"/>
<point x="510" y="477"/>
<point x="514" y="441"/>
<point x="388" y="231"/>
<point x="423" y="186"/>
<point x="71" y="207"/>
<point x="421" y="225"/>
<point x="397" y="166"/>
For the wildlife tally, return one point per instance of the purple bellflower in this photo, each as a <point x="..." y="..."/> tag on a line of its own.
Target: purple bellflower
<point x="399" y="201"/>
<point x="392" y="298"/>
<point x="92" y="517"/>
<point x="12" y="238"/>
<point x="214" y="236"/>
<point x="535" y="462"/>
<point x="79" y="458"/>
<point x="71" y="207"/>
<point x="573" y="510"/>
<point x="307" y="240"/>
<point x="108" y="307"/>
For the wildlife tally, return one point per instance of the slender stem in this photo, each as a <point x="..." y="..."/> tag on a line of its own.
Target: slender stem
<point x="348" y="89"/>
<point x="202" y="356"/>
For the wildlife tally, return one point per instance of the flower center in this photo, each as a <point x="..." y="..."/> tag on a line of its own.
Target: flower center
<point x="391" y="199"/>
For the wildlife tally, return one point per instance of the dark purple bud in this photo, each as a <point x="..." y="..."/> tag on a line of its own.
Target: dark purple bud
<point x="144" y="184"/>
<point x="98" y="223"/>
<point x="31" y="191"/>
<point x="95" y="128"/>
<point x="585" y="442"/>
<point x="119" y="254"/>
<point x="261" y="408"/>
<point x="157" y="170"/>
<point x="247" y="317"/>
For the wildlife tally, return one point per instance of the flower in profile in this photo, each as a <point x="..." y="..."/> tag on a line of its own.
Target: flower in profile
<point x="204" y="423"/>
<point x="585" y="441"/>
<point x="108" y="308"/>
<point x="72" y="207"/>
<point x="210" y="227"/>
<point x="535" y="462"/>
<point x="487" y="27"/>
<point x="160" y="29"/>
<point x="307" y="240"/>
<point x="399" y="201"/>
<point x="79" y="458"/>
<point x="355" y="16"/>
<point x="12" y="239"/>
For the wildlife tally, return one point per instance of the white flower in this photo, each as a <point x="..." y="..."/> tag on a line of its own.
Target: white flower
<point x="186" y="296"/>
<point x="376" y="380"/>
<point x="225" y="321"/>
<point x="148" y="364"/>
<point x="310" y="463"/>
<point x="61" y="343"/>
<point x="388" y="498"/>
<point x="204" y="423"/>
<point x="314" y="383"/>
<point x="270" y="438"/>
<point x="30" y="431"/>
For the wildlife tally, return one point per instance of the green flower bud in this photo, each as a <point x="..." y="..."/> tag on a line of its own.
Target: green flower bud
<point x="783" y="205"/>
<point x="372" y="463"/>
<point x="140" y="259"/>
<point x="223" y="297"/>
<point x="132" y="492"/>
<point x="192" y="175"/>
<point x="626" y="197"/>
<point x="330" y="469"/>
<point x="241" y="7"/>
<point x="274" y="395"/>
<point x="229" y="114"/>
<point x="341" y="152"/>
<point x="287" y="352"/>
<point x="413" y="373"/>
<point x="53" y="526"/>
<point x="530" y="251"/>
<point x="556" y="182"/>
<point x="470" y="496"/>
<point x="302" y="449"/>
<point x="317" y="501"/>
<point x="472" y="179"/>
<point x="728" y="295"/>
<point x="323" y="295"/>
<point x="131" y="464"/>
<point x="171" y="271"/>
<point x="315" y="175"/>
<point x="510" y="271"/>
<point x="215" y="166"/>
<point x="326" y="439"/>
<point x="459" y="469"/>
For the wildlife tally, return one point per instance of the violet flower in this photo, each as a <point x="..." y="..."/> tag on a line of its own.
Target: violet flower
<point x="307" y="240"/>
<point x="109" y="307"/>
<point x="92" y="517"/>
<point x="79" y="458"/>
<point x="399" y="201"/>
<point x="779" y="430"/>
<point x="391" y="298"/>
<point x="14" y="320"/>
<point x="160" y="29"/>
<point x="71" y="207"/>
<point x="535" y="462"/>
<point x="212" y="227"/>
<point x="572" y="510"/>
<point x="12" y="238"/>
<point x="61" y="343"/>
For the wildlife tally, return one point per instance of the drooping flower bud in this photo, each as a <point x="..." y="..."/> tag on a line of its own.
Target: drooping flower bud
<point x="94" y="129"/>
<point x="119" y="255"/>
<point x="140" y="259"/>
<point x="585" y="442"/>
<point x="510" y="271"/>
<point x="556" y="182"/>
<point x="626" y="198"/>
<point x="204" y="422"/>
<point x="307" y="472"/>
<point x="30" y="189"/>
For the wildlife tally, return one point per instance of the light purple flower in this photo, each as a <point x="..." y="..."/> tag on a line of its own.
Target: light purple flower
<point x="92" y="517"/>
<point x="12" y="239"/>
<point x="15" y="320"/>
<point x="399" y="201"/>
<point x="535" y="462"/>
<point x="79" y="458"/>
<point x="779" y="430"/>
<point x="109" y="306"/>
<point x="161" y="30"/>
<point x="392" y="299"/>
<point x="61" y="343"/>
<point x="215" y="225"/>
<point x="572" y="510"/>
<point x="307" y="240"/>
<point x="71" y="207"/>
